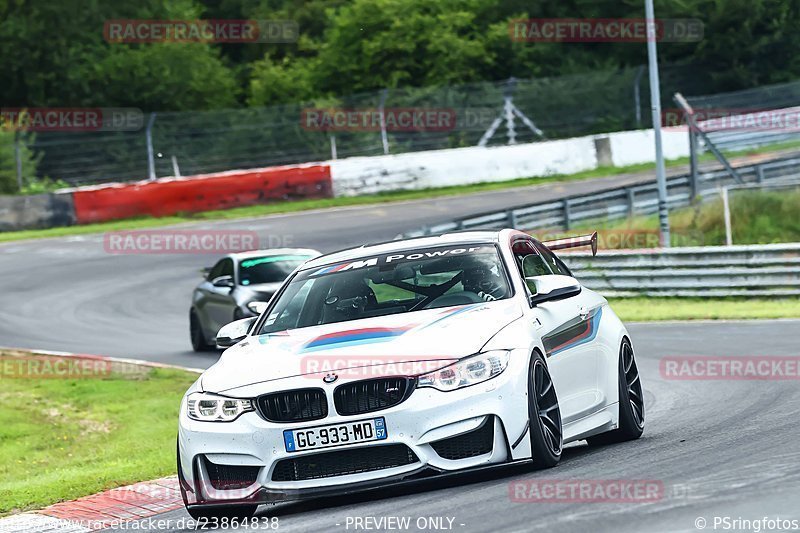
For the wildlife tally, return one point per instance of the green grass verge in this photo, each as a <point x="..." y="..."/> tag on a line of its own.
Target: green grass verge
<point x="61" y="439"/>
<point x="656" y="309"/>
<point x="757" y="217"/>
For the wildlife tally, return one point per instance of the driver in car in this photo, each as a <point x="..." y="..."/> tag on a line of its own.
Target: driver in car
<point x="483" y="281"/>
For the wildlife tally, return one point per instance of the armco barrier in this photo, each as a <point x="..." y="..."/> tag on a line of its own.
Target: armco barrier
<point x="707" y="271"/>
<point x="620" y="202"/>
<point x="169" y="196"/>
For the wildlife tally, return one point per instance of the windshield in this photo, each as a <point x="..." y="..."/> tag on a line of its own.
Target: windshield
<point x="399" y="282"/>
<point x="269" y="269"/>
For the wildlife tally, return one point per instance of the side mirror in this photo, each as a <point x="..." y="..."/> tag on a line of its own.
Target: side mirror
<point x="552" y="288"/>
<point x="204" y="271"/>
<point x="223" y="281"/>
<point x="232" y="333"/>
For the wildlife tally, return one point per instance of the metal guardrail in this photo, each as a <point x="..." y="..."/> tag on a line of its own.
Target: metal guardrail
<point x="737" y="140"/>
<point x="617" y="203"/>
<point x="707" y="271"/>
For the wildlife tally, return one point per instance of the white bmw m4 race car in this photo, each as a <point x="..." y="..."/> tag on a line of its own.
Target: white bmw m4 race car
<point x="402" y="360"/>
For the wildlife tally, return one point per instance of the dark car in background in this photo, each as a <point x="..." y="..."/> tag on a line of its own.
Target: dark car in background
<point x="239" y="286"/>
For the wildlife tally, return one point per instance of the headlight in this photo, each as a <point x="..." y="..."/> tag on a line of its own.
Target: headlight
<point x="257" y="307"/>
<point x="466" y="372"/>
<point x="211" y="408"/>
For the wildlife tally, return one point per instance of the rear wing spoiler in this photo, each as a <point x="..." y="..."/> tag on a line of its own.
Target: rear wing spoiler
<point x="574" y="242"/>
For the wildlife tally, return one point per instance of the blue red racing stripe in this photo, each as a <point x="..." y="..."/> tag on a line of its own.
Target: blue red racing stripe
<point x="330" y="269"/>
<point x="573" y="334"/>
<point x="451" y="312"/>
<point x="354" y="337"/>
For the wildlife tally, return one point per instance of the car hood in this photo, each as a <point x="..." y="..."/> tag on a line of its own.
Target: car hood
<point x="438" y="336"/>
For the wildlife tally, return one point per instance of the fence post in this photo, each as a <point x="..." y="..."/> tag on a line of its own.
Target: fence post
<point x="693" y="170"/>
<point x="176" y="170"/>
<point x="508" y="106"/>
<point x="381" y="108"/>
<point x="511" y="216"/>
<point x="759" y="173"/>
<point x="151" y="163"/>
<point x="18" y="160"/>
<point x="727" y="213"/>
<point x="567" y="215"/>
<point x="631" y="202"/>
<point x="333" y="147"/>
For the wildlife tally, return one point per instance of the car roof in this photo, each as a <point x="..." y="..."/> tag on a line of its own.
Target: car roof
<point x="367" y="250"/>
<point x="239" y="256"/>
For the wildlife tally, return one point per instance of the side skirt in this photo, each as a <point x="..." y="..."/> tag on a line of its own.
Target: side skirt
<point x="603" y="420"/>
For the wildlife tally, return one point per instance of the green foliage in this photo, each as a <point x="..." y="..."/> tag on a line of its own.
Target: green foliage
<point x="8" y="165"/>
<point x="757" y="217"/>
<point x="278" y="83"/>
<point x="54" y="53"/>
<point x="184" y="76"/>
<point x="42" y="185"/>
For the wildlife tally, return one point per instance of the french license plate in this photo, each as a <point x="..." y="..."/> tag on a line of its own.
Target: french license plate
<point x="335" y="435"/>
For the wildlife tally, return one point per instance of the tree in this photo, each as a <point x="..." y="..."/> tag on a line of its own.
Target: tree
<point x="8" y="162"/>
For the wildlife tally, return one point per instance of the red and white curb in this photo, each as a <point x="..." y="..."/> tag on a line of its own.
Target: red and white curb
<point x="108" y="508"/>
<point x="100" y="511"/>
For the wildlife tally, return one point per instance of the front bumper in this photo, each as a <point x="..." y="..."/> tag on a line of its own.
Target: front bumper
<point x="420" y="423"/>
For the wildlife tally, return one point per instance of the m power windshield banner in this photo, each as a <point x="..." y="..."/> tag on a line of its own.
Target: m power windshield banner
<point x="389" y="260"/>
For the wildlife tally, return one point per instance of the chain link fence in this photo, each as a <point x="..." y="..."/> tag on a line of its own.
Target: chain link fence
<point x="191" y="143"/>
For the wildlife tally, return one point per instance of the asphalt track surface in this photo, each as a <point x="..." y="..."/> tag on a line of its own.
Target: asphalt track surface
<point x="721" y="448"/>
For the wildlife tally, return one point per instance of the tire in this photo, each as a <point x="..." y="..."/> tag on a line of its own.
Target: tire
<point x="228" y="511"/>
<point x="544" y="415"/>
<point x="631" y="401"/>
<point x="199" y="343"/>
